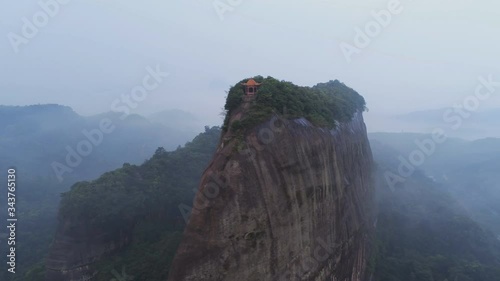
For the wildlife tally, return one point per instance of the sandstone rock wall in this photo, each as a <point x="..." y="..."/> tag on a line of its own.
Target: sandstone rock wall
<point x="288" y="201"/>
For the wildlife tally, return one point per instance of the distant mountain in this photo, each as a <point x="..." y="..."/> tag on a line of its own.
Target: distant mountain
<point x="466" y="124"/>
<point x="435" y="116"/>
<point x="52" y="147"/>
<point x="176" y="118"/>
<point x="424" y="231"/>
<point x="33" y="138"/>
<point x="467" y="169"/>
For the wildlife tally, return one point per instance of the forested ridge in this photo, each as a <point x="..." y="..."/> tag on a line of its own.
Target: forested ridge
<point x="143" y="200"/>
<point x="323" y="104"/>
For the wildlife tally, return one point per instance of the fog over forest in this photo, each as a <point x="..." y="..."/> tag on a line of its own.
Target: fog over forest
<point x="231" y="140"/>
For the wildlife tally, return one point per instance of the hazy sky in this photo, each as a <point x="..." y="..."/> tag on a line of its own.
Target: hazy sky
<point x="91" y="52"/>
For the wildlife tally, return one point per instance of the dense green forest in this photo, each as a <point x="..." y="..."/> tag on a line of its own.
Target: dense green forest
<point x="424" y="234"/>
<point x="322" y="105"/>
<point x="148" y="198"/>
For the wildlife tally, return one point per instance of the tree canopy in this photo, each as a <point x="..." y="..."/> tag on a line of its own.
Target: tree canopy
<point x="322" y="104"/>
<point x="143" y="201"/>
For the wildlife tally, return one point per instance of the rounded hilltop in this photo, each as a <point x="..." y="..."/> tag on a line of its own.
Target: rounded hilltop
<point x="322" y="104"/>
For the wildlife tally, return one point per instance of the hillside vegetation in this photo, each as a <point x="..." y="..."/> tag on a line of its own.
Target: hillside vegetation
<point x="322" y="105"/>
<point x="146" y="199"/>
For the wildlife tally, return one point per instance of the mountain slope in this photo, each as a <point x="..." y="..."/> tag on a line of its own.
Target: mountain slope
<point x="466" y="169"/>
<point x="33" y="138"/>
<point x="129" y="216"/>
<point x="424" y="233"/>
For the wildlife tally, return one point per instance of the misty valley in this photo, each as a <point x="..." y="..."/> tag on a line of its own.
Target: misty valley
<point x="233" y="140"/>
<point x="124" y="204"/>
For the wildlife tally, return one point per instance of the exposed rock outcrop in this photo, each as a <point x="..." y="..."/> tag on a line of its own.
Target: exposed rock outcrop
<point x="286" y="201"/>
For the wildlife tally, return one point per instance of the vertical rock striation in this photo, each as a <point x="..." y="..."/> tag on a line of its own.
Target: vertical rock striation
<point x="287" y="201"/>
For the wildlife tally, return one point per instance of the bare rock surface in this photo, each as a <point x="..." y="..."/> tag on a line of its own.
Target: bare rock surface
<point x="286" y="201"/>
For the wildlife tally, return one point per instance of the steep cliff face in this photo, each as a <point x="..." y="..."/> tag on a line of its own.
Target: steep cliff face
<point x="284" y="201"/>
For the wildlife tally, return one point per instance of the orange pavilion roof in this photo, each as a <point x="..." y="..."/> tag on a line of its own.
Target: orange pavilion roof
<point x="251" y="82"/>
